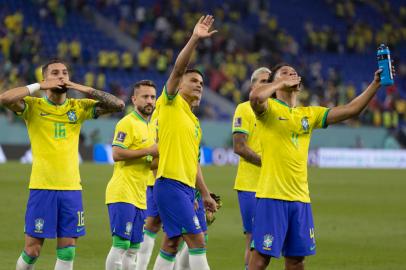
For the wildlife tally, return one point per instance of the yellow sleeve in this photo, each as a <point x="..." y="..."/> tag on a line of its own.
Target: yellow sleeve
<point x="88" y="107"/>
<point x="167" y="99"/>
<point x="123" y="134"/>
<point x="28" y="105"/>
<point x="320" y="116"/>
<point x="241" y="123"/>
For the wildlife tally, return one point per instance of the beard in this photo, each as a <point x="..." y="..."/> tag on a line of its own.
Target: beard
<point x="60" y="91"/>
<point x="146" y="110"/>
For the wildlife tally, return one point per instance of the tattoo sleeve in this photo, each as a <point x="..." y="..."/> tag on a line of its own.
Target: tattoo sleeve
<point x="241" y="148"/>
<point x="107" y="102"/>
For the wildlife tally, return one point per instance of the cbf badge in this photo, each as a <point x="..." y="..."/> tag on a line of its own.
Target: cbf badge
<point x="268" y="240"/>
<point x="128" y="228"/>
<point x="39" y="225"/>
<point x="72" y="116"/>
<point x="305" y="124"/>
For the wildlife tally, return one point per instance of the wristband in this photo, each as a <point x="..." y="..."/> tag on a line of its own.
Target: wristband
<point x="32" y="88"/>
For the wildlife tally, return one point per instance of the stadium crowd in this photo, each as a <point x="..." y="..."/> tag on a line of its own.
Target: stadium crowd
<point x="227" y="60"/>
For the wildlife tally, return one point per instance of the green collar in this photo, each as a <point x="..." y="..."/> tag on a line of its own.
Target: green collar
<point x="281" y="102"/>
<point x="136" y="114"/>
<point x="54" y="104"/>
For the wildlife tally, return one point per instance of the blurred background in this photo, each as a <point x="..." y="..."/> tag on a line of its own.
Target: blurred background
<point x="356" y="178"/>
<point x="111" y="44"/>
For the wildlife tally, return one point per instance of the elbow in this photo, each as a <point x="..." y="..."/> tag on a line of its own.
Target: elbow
<point x="120" y="106"/>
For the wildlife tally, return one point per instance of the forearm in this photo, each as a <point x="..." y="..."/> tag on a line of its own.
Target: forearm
<point x="263" y="92"/>
<point x="154" y="164"/>
<point x="13" y="96"/>
<point x="120" y="154"/>
<point x="107" y="101"/>
<point x="259" y="97"/>
<point x="359" y="103"/>
<point x="200" y="184"/>
<point x="249" y="155"/>
<point x="355" y="107"/>
<point x="181" y="65"/>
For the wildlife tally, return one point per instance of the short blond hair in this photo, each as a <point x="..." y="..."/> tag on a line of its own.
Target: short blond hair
<point x="258" y="71"/>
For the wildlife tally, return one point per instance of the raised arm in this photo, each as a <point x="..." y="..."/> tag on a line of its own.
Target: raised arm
<point x="107" y="102"/>
<point x="121" y="154"/>
<point x="242" y="149"/>
<point x="259" y="96"/>
<point x="13" y="98"/>
<point x="209" y="203"/>
<point x="355" y="107"/>
<point x="201" y="30"/>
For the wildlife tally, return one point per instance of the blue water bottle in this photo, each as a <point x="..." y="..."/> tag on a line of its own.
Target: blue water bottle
<point x="384" y="63"/>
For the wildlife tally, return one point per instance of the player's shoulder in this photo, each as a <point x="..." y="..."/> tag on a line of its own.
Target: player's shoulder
<point x="244" y="107"/>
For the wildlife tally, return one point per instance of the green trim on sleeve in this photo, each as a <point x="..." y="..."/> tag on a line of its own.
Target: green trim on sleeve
<point x="94" y="116"/>
<point x="239" y="130"/>
<point x="120" y="145"/>
<point x="169" y="97"/>
<point x="323" y="122"/>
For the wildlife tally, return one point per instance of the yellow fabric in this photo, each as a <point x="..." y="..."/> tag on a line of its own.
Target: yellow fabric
<point x="54" y="134"/>
<point x="154" y="123"/>
<point x="129" y="181"/>
<point x="179" y="136"/>
<point x="284" y="138"/>
<point x="245" y="122"/>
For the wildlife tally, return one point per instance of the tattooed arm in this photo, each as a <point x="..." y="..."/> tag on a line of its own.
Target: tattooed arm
<point x="107" y="102"/>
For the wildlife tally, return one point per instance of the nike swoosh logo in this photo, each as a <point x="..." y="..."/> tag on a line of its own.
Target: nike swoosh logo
<point x="282" y="118"/>
<point x="80" y="229"/>
<point x="44" y="114"/>
<point x="312" y="248"/>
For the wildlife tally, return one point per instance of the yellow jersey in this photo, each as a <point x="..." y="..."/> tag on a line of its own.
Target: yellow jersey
<point x="285" y="137"/>
<point x="179" y="136"/>
<point x="129" y="181"/>
<point x="54" y="135"/>
<point x="245" y="122"/>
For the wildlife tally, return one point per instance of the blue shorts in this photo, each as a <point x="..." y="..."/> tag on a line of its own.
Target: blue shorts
<point x="201" y="214"/>
<point x="127" y="221"/>
<point x="247" y="201"/>
<point x="283" y="226"/>
<point x="54" y="213"/>
<point x="175" y="202"/>
<point x="152" y="209"/>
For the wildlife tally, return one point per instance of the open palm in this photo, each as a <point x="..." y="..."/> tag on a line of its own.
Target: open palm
<point x="202" y="28"/>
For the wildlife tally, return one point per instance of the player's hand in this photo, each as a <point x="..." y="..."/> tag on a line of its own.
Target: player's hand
<point x="209" y="203"/>
<point x="217" y="198"/>
<point x="202" y="28"/>
<point x="52" y="84"/>
<point x="153" y="151"/>
<point x="377" y="75"/>
<point x="210" y="217"/>
<point x="289" y="81"/>
<point x="76" y="86"/>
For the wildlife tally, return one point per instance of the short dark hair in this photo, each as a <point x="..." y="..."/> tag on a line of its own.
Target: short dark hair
<point x="194" y="70"/>
<point x="50" y="62"/>
<point x="275" y="69"/>
<point x="143" y="83"/>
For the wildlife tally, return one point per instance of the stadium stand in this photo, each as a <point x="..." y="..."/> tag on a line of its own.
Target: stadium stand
<point x="334" y="50"/>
